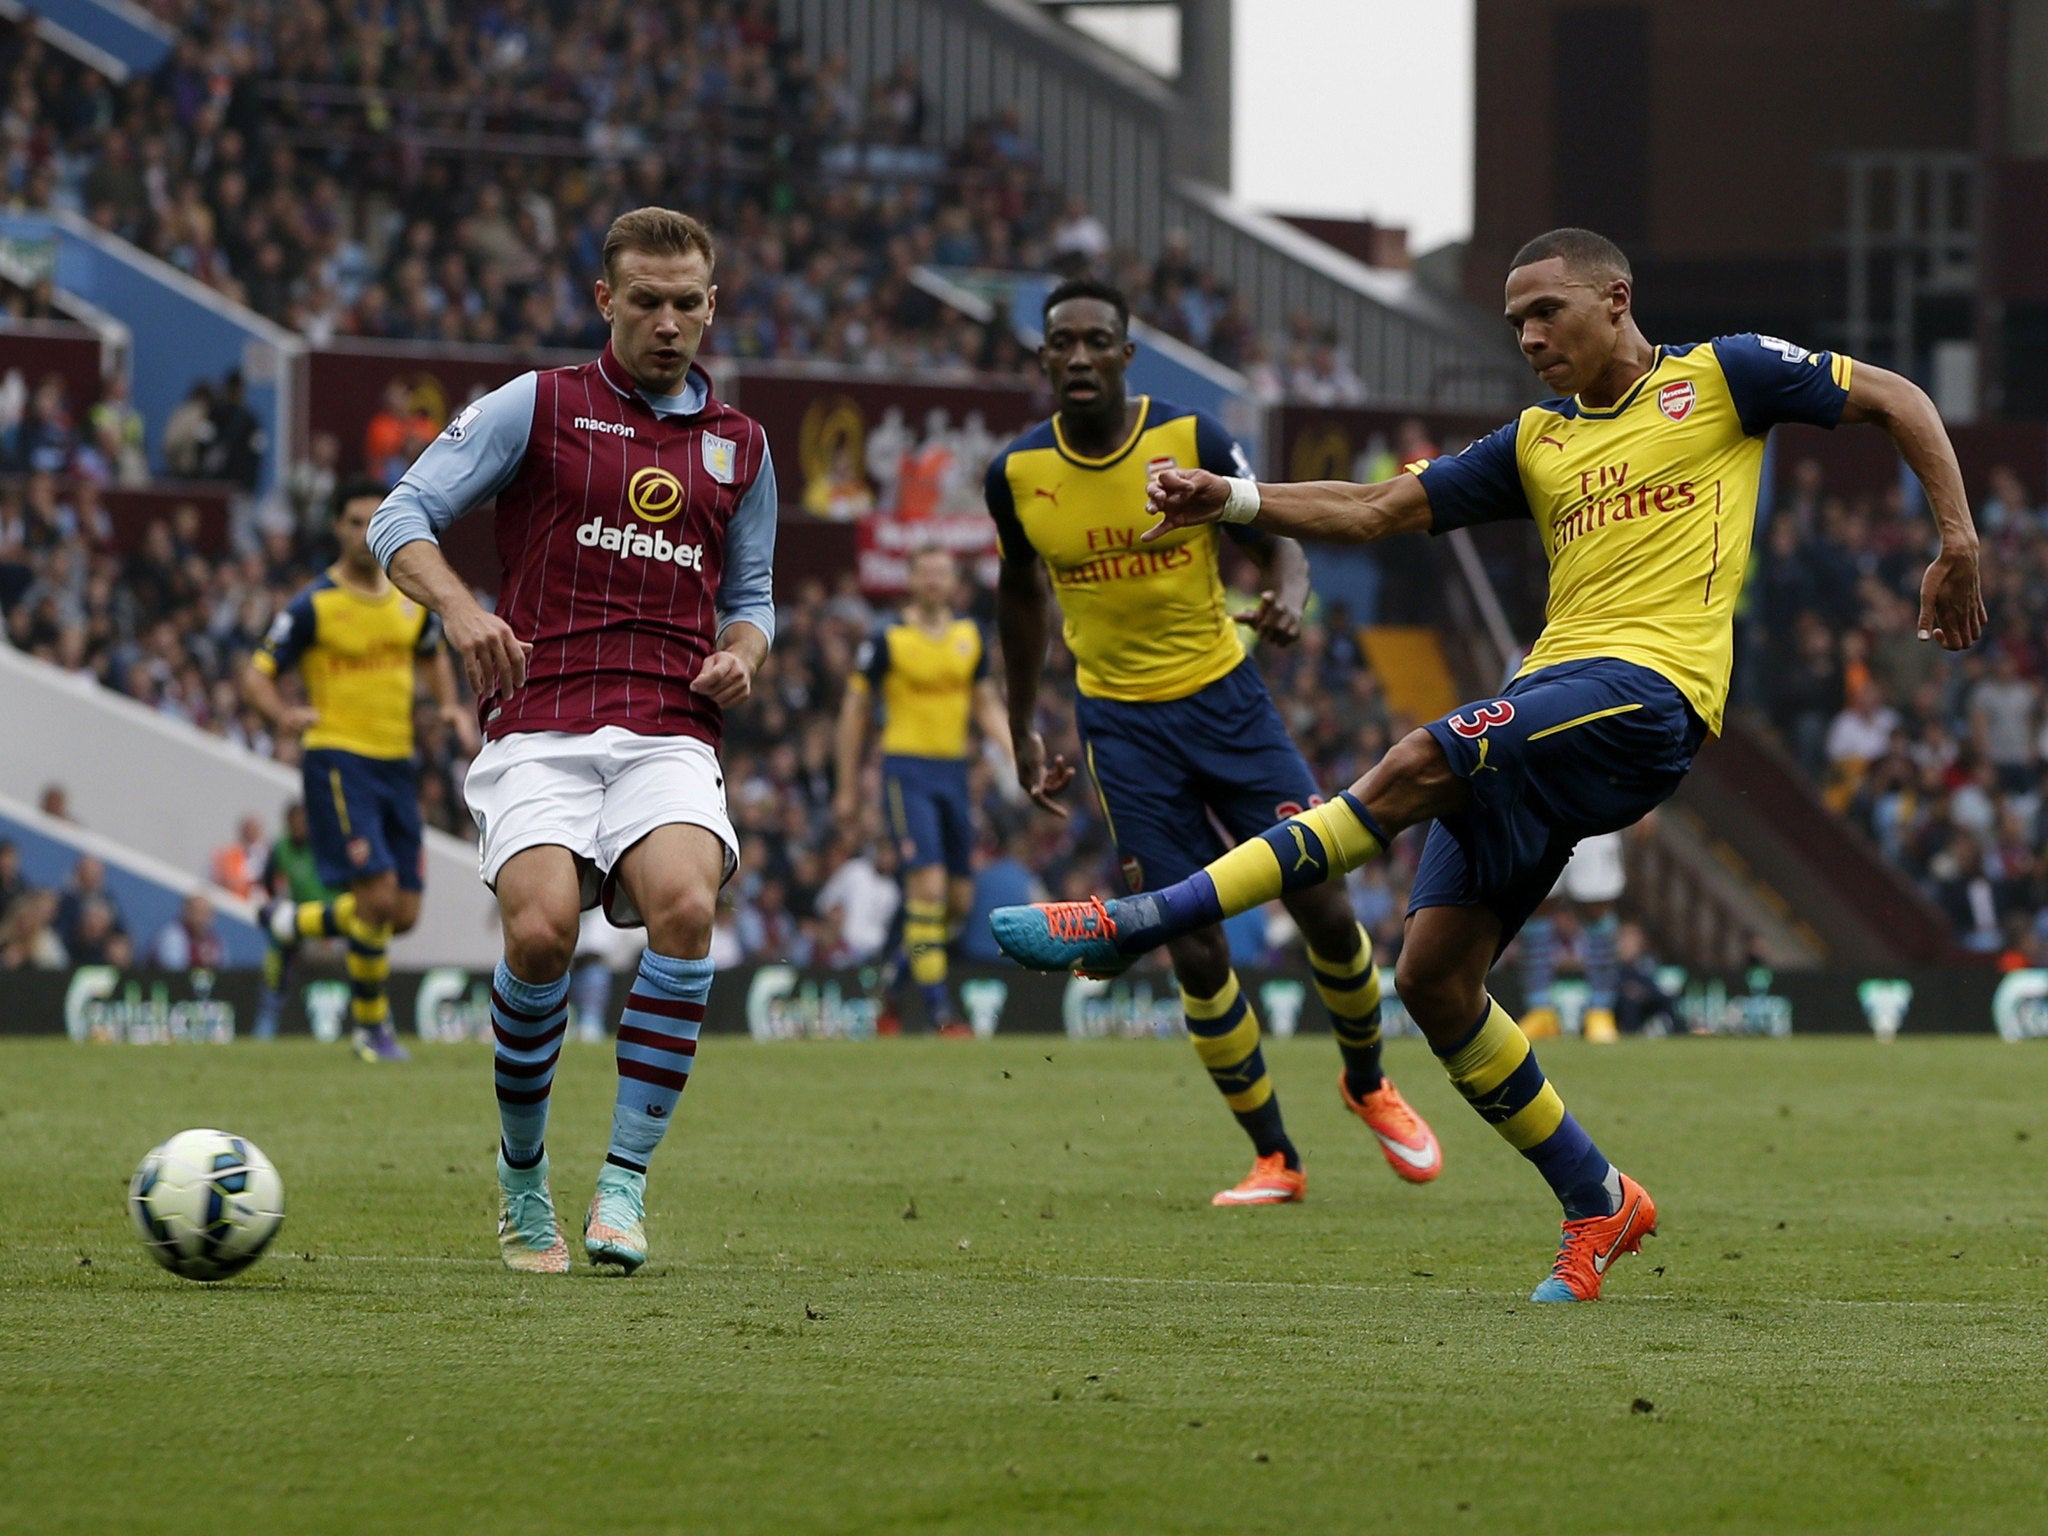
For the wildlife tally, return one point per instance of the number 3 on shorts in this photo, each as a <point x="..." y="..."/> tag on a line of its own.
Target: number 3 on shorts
<point x="1476" y="722"/>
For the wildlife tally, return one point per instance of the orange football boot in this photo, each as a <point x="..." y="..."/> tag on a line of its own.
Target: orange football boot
<point x="1592" y="1243"/>
<point x="1271" y="1182"/>
<point x="1405" y="1139"/>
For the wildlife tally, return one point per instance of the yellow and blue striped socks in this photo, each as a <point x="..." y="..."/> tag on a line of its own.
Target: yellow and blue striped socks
<point x="924" y="937"/>
<point x="1350" y="989"/>
<point x="369" y="972"/>
<point x="1495" y="1068"/>
<point x="1225" y="1032"/>
<point x="1320" y="843"/>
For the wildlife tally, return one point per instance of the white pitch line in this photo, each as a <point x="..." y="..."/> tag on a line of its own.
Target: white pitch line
<point x="1340" y="1287"/>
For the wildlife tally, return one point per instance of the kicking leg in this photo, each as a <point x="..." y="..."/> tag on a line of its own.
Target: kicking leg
<point x="1412" y="783"/>
<point x="673" y="875"/>
<point x="1442" y="978"/>
<point x="539" y="896"/>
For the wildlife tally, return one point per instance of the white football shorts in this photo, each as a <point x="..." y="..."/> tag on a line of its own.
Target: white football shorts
<point x="596" y="795"/>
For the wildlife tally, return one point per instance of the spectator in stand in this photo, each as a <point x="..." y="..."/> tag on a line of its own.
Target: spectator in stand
<point x="26" y="935"/>
<point x="13" y="883"/>
<point x="299" y="504"/>
<point x="55" y="803"/>
<point x="188" y="434"/>
<point x="45" y="439"/>
<point x="2005" y="713"/>
<point x="2005" y="506"/>
<point x="87" y="887"/>
<point x="97" y="937"/>
<point x="1807" y="692"/>
<point x="191" y="940"/>
<point x="397" y="434"/>
<point x="238" y="866"/>
<point x="115" y="432"/>
<point x="1857" y="737"/>
<point x="234" y="451"/>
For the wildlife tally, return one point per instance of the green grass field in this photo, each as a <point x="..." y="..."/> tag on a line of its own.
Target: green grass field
<point x="933" y="1287"/>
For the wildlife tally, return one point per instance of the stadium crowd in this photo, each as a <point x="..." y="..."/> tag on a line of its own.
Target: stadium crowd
<point x="426" y="173"/>
<point x="1938" y="757"/>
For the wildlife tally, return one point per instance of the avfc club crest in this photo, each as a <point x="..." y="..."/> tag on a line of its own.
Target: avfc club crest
<point x="719" y="454"/>
<point x="1677" y="399"/>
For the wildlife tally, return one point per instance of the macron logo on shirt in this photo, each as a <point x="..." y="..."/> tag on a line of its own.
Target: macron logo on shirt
<point x="592" y="424"/>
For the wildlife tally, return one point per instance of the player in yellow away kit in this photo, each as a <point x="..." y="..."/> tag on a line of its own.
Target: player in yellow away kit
<point x="355" y="640"/>
<point x="929" y="670"/>
<point x="1176" y="724"/>
<point x="1641" y="478"/>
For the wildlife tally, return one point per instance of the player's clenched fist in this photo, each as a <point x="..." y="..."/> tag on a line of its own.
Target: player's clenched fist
<point x="493" y="658"/>
<point x="1183" y="498"/>
<point x="725" y="680"/>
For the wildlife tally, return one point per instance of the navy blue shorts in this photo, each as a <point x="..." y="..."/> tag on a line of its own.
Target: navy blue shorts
<point x="363" y="817"/>
<point x="1566" y="752"/>
<point x="1163" y="770"/>
<point x="929" y="812"/>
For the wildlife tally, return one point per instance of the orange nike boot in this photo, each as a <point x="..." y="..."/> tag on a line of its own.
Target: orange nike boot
<point x="1405" y="1139"/>
<point x="1271" y="1182"/>
<point x="1592" y="1243"/>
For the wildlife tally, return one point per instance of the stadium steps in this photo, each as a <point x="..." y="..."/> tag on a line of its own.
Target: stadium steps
<point x="169" y="793"/>
<point x="1761" y="809"/>
<point x="148" y="892"/>
<point x="1414" y="673"/>
<point x="1698" y="900"/>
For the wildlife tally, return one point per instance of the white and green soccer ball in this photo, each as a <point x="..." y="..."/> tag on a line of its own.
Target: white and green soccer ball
<point x="206" y="1204"/>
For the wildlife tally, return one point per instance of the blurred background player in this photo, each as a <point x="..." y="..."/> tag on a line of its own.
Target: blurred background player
<point x="356" y="641"/>
<point x="601" y="948"/>
<point x="1589" y="892"/>
<point x="290" y="873"/>
<point x="636" y="544"/>
<point x="1175" y="721"/>
<point x="929" y="670"/>
<point x="1641" y="475"/>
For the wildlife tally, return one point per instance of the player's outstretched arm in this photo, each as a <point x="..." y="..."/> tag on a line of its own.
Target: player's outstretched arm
<point x="1334" y="511"/>
<point x="492" y="656"/>
<point x="1951" y="598"/>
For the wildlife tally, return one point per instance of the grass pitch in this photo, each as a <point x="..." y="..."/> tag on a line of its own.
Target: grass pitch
<point x="935" y="1287"/>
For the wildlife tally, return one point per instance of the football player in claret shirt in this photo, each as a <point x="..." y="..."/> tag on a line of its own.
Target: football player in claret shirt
<point x="355" y="640"/>
<point x="1641" y="478"/>
<point x="929" y="669"/>
<point x="636" y="536"/>
<point x="1177" y="728"/>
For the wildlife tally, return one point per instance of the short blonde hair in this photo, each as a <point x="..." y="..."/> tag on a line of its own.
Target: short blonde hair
<point x="657" y="232"/>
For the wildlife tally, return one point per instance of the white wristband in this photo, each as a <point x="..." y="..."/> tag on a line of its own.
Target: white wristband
<point x="1243" y="504"/>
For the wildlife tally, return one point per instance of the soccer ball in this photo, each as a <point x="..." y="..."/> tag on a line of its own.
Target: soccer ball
<point x="206" y="1204"/>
